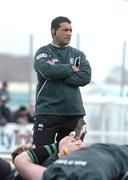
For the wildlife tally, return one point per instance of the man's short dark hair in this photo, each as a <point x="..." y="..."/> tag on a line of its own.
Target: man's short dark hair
<point x="55" y="24"/>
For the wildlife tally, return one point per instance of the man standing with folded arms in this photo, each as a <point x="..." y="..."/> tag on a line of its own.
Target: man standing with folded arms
<point x="61" y="70"/>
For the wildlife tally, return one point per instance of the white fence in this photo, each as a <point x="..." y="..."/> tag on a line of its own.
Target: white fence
<point x="107" y="119"/>
<point x="12" y="136"/>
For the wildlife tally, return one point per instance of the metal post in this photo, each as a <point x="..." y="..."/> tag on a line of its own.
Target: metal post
<point x="30" y="68"/>
<point x="122" y="82"/>
<point x="78" y="41"/>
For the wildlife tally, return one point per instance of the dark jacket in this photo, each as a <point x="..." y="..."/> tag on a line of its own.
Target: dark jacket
<point x="58" y="86"/>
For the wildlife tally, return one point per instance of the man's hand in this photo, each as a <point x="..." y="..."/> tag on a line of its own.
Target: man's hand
<point x="69" y="144"/>
<point x="75" y="69"/>
<point x="50" y="62"/>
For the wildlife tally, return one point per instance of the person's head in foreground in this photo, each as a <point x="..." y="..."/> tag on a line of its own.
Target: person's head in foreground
<point x="29" y="170"/>
<point x="95" y="162"/>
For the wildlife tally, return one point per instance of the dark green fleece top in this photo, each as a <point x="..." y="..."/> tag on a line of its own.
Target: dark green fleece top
<point x="58" y="86"/>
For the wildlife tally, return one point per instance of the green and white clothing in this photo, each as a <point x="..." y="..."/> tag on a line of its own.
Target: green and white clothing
<point x="58" y="86"/>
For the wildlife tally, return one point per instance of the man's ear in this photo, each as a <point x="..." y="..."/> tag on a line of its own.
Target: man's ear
<point x="53" y="31"/>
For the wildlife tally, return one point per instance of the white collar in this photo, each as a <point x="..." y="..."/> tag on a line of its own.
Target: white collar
<point x="58" y="46"/>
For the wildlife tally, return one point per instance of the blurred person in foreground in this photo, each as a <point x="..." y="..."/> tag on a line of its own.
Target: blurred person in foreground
<point x="6" y="172"/>
<point x="61" y="70"/>
<point x="38" y="156"/>
<point x="95" y="162"/>
<point x="44" y="156"/>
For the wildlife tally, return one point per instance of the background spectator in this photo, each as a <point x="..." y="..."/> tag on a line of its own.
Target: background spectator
<point x="31" y="113"/>
<point x="5" y="113"/>
<point x="4" y="93"/>
<point x="21" y="116"/>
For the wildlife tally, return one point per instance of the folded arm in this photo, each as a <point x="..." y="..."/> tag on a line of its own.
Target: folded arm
<point x="52" y="70"/>
<point x="83" y="76"/>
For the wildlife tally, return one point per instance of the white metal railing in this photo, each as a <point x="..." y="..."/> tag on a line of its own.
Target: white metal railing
<point x="107" y="119"/>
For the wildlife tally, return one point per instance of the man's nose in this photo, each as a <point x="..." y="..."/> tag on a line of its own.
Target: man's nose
<point x="69" y="32"/>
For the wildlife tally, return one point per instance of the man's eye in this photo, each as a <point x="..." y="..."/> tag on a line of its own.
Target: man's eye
<point x="66" y="30"/>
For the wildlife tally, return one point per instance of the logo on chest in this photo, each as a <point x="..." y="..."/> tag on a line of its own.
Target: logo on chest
<point x="71" y="60"/>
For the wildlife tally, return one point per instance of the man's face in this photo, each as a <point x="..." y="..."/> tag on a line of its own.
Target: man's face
<point x="63" y="34"/>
